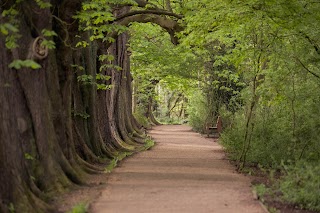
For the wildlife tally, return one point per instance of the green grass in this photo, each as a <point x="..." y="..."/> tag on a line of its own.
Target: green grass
<point x="148" y="143"/>
<point x="120" y="156"/>
<point x="79" y="208"/>
<point x="112" y="165"/>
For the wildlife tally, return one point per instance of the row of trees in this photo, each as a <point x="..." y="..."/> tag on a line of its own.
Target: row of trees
<point x="162" y="73"/>
<point x="65" y="93"/>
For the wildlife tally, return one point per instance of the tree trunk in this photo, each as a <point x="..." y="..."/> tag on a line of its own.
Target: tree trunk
<point x="47" y="139"/>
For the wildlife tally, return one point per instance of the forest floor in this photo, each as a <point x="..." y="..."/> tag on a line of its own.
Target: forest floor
<point x="183" y="172"/>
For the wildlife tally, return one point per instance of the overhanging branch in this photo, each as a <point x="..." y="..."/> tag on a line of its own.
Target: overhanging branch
<point x="314" y="45"/>
<point x="155" y="12"/>
<point x="169" y="25"/>
<point x="306" y="68"/>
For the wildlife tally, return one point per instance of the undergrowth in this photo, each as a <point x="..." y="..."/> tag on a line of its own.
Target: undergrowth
<point x="120" y="156"/>
<point x="79" y="208"/>
<point x="113" y="163"/>
<point x="198" y="111"/>
<point x="301" y="185"/>
<point x="283" y="142"/>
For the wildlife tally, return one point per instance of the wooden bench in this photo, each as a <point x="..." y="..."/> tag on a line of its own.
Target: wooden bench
<point x="217" y="128"/>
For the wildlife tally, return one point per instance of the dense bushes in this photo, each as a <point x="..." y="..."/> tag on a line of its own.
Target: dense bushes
<point x="283" y="135"/>
<point x="277" y="133"/>
<point x="301" y="184"/>
<point x="198" y="111"/>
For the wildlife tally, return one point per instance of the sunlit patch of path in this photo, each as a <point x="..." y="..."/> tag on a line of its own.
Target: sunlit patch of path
<point x="184" y="172"/>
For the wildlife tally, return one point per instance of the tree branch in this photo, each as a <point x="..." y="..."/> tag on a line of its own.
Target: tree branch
<point x="155" y="12"/>
<point x="306" y="68"/>
<point x="168" y="6"/>
<point x="169" y="25"/>
<point x="315" y="46"/>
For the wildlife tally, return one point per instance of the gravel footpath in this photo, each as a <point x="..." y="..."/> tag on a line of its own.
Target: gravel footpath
<point x="183" y="172"/>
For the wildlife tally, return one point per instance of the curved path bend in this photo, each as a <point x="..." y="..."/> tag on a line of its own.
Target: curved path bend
<point x="184" y="172"/>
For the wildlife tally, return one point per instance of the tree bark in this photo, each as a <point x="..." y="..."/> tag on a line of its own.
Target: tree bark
<point x="47" y="141"/>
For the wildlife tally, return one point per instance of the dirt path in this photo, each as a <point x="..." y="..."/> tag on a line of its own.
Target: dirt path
<point x="184" y="172"/>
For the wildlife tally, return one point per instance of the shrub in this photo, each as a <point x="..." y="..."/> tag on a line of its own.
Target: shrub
<point x="197" y="111"/>
<point x="301" y="185"/>
<point x="79" y="208"/>
<point x="272" y="138"/>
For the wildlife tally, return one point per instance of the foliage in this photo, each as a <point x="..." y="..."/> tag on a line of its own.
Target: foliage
<point x="111" y="165"/>
<point x="18" y="64"/>
<point x="149" y="143"/>
<point x="42" y="4"/>
<point x="162" y="71"/>
<point x="9" y="26"/>
<point x="11" y="208"/>
<point x="83" y="115"/>
<point x="260" y="190"/>
<point x="79" y="208"/>
<point x="273" y="139"/>
<point x="119" y="157"/>
<point x="89" y="80"/>
<point x="96" y="17"/>
<point x="197" y="111"/>
<point x="27" y="156"/>
<point x="272" y="49"/>
<point x="301" y="185"/>
<point x="6" y="28"/>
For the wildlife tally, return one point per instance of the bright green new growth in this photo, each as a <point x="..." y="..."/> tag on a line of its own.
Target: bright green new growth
<point x="10" y="28"/>
<point x="122" y="155"/>
<point x="79" y="208"/>
<point x="97" y="18"/>
<point x="111" y="165"/>
<point x="18" y="64"/>
<point x="89" y="80"/>
<point x="149" y="143"/>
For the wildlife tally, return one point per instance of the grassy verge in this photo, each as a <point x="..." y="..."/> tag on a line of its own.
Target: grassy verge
<point x="149" y="143"/>
<point x="79" y="208"/>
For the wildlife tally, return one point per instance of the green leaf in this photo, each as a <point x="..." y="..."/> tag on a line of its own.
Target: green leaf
<point x="106" y="57"/>
<point x="48" y="43"/>
<point x="27" y="156"/>
<point x="32" y="64"/>
<point x="7" y="27"/>
<point x="82" y="44"/>
<point x="18" y="64"/>
<point x="100" y="76"/>
<point x="4" y="30"/>
<point x="48" y="33"/>
<point x="43" y="4"/>
<point x="11" y="41"/>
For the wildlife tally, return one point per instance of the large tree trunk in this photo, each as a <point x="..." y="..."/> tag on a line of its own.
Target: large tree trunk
<point x="42" y="160"/>
<point x="53" y="128"/>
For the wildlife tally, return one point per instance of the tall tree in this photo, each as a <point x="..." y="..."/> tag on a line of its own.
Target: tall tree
<point x="63" y="110"/>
